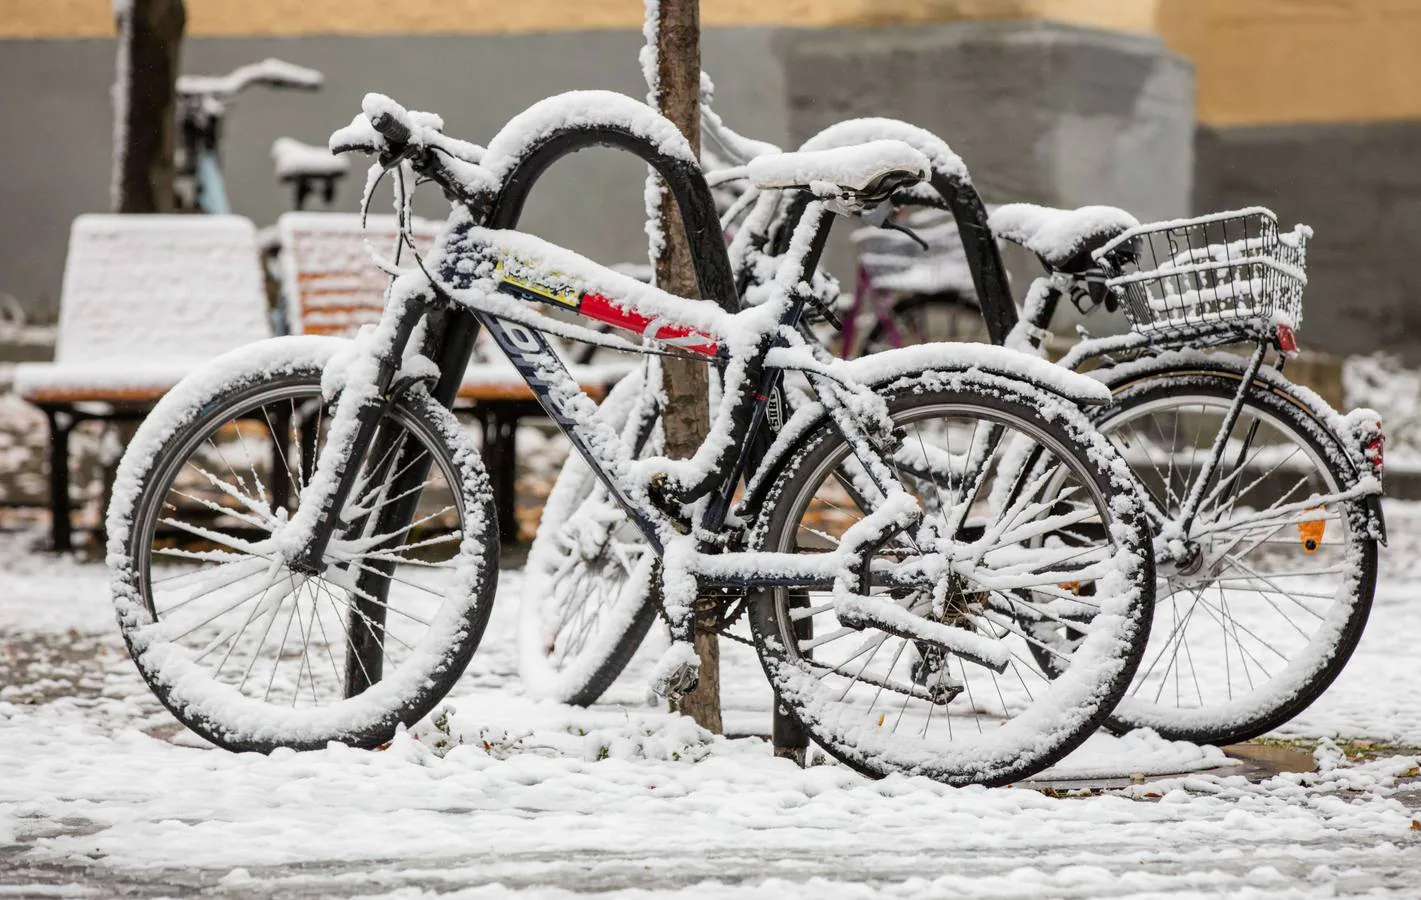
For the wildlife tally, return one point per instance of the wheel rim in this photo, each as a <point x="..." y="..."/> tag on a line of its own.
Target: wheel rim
<point x="1252" y="614"/>
<point x="962" y="721"/>
<point x="221" y="604"/>
<point x="591" y="588"/>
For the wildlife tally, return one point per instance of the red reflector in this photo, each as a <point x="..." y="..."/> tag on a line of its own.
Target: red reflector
<point x="1287" y="340"/>
<point x="1376" y="451"/>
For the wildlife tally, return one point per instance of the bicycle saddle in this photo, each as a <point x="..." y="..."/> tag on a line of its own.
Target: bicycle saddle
<point x="870" y="172"/>
<point x="1063" y="239"/>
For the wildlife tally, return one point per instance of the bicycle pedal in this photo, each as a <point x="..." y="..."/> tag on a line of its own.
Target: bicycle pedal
<point x="677" y="673"/>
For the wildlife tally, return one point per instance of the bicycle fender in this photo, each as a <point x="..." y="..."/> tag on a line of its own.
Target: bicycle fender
<point x="879" y="369"/>
<point x="903" y="367"/>
<point x="1366" y="518"/>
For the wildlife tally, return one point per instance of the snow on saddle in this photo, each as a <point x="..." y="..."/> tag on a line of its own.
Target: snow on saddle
<point x="869" y="172"/>
<point x="1064" y="239"/>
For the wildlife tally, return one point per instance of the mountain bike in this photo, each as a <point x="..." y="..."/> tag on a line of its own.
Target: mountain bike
<point x="872" y="566"/>
<point x="1266" y="502"/>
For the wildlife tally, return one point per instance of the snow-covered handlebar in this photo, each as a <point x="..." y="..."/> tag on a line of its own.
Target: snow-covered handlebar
<point x="272" y="73"/>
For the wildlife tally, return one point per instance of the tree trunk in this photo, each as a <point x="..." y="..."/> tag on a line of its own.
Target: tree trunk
<point x="674" y="73"/>
<point x="150" y="34"/>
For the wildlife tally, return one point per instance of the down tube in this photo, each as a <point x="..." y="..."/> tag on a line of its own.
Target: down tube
<point x="550" y="383"/>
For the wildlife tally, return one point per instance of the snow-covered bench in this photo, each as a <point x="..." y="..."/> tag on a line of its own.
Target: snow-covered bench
<point x="145" y="299"/>
<point x="331" y="286"/>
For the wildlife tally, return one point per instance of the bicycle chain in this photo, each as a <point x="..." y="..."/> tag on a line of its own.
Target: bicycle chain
<point x="713" y="615"/>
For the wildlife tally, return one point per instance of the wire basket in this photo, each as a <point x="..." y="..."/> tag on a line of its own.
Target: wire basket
<point x="1228" y="267"/>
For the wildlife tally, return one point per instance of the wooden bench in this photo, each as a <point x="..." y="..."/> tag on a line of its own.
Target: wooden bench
<point x="145" y="300"/>
<point x="330" y="286"/>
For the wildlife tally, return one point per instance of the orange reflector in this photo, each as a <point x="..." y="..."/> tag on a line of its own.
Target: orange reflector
<point x="881" y="717"/>
<point x="1310" y="531"/>
<point x="1073" y="586"/>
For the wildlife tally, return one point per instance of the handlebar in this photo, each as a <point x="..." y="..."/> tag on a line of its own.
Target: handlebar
<point x="394" y="131"/>
<point x="272" y="73"/>
<point x="394" y="134"/>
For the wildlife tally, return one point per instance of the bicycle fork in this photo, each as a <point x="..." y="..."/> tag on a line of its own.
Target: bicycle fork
<point x="355" y="433"/>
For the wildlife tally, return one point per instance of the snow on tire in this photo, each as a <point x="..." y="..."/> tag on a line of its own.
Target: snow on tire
<point x="1258" y="622"/>
<point x="590" y="578"/>
<point x="1077" y="562"/>
<point x="248" y="652"/>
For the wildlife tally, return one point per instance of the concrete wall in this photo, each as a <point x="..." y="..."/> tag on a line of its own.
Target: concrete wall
<point x="1047" y="113"/>
<point x="1359" y="186"/>
<point x="1043" y="113"/>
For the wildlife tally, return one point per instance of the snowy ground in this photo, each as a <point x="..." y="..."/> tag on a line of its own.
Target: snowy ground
<point x="103" y="793"/>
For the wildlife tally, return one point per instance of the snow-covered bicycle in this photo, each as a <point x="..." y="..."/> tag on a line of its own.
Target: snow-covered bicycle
<point x="885" y="592"/>
<point x="1265" y="500"/>
<point x="1268" y="500"/>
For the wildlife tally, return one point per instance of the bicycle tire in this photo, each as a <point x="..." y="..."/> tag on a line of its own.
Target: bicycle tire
<point x="1312" y="667"/>
<point x="571" y="649"/>
<point x="210" y="409"/>
<point x="1047" y="727"/>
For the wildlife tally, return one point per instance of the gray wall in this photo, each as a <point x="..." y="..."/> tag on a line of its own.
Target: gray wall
<point x="1359" y="186"/>
<point x="1041" y="112"/>
<point x="1045" y="113"/>
<point x="54" y="100"/>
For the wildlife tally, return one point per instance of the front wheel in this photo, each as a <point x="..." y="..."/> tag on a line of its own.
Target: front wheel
<point x="1070" y="569"/>
<point x="249" y="652"/>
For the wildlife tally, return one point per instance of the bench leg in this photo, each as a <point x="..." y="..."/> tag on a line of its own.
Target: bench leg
<point x="60" y="424"/>
<point x="501" y="460"/>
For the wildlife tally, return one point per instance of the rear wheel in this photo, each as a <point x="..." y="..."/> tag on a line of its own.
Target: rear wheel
<point x="251" y="653"/>
<point x="1266" y="607"/>
<point x="591" y="575"/>
<point x="1028" y="564"/>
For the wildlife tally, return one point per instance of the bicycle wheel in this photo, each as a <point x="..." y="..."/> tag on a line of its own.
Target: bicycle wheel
<point x="927" y="319"/>
<point x="249" y="652"/>
<point x="1264" y="610"/>
<point x="1078" y="559"/>
<point x="591" y="574"/>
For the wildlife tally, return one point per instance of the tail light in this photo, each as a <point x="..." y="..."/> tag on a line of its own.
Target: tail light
<point x="1366" y="427"/>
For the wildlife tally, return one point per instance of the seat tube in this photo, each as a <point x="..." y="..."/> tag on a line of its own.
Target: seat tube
<point x="211" y="192"/>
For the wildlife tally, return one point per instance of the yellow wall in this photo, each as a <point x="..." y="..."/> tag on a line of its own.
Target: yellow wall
<point x="1299" y="60"/>
<point x="91" y="18"/>
<point x="1256" y="61"/>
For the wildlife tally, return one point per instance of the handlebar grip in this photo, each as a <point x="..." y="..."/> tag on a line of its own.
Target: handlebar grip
<point x="395" y="132"/>
<point x="340" y="147"/>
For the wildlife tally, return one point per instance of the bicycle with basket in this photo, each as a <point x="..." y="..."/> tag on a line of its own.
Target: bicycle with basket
<point x="1265" y="500"/>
